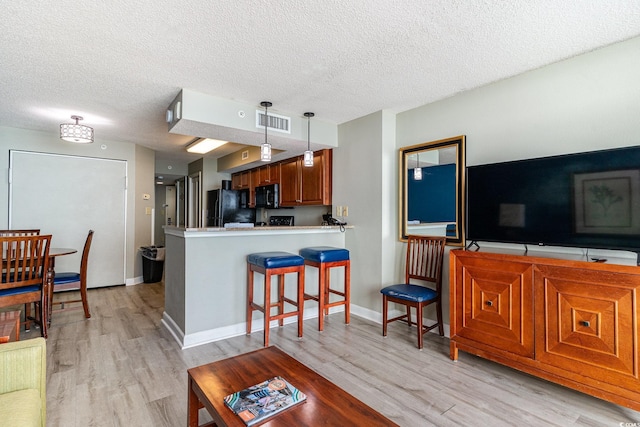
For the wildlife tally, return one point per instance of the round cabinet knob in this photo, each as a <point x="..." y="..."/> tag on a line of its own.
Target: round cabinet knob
<point x="489" y="303"/>
<point x="585" y="323"/>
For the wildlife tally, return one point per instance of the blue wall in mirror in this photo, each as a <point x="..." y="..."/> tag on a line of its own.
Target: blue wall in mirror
<point x="433" y="198"/>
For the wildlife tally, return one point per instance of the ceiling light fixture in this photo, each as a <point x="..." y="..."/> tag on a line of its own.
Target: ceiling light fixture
<point x="417" y="172"/>
<point x="308" y="155"/>
<point x="203" y="146"/>
<point x="265" y="149"/>
<point x="75" y="132"/>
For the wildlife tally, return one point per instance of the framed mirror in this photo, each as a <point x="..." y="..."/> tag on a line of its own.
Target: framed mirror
<point x="432" y="188"/>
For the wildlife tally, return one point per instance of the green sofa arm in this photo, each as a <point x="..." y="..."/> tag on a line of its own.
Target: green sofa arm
<point x="23" y="377"/>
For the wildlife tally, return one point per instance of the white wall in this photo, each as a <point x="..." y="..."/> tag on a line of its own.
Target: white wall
<point x="364" y="179"/>
<point x="586" y="103"/>
<point x="143" y="184"/>
<point x="138" y="158"/>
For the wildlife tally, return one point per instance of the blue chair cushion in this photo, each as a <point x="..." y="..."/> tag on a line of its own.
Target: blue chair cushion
<point x="408" y="292"/>
<point x="66" y="277"/>
<point x="324" y="254"/>
<point x="275" y="259"/>
<point x="18" y="291"/>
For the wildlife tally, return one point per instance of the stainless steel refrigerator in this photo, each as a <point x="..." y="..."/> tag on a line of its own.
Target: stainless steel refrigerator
<point x="225" y="206"/>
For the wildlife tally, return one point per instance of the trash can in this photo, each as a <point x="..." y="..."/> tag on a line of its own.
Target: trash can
<point x="152" y="263"/>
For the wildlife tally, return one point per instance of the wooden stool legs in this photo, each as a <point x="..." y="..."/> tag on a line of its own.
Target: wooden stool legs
<point x="324" y="289"/>
<point x="282" y="299"/>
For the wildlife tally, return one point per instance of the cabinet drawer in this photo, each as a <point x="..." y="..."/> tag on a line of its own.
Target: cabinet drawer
<point x="591" y="320"/>
<point x="495" y="304"/>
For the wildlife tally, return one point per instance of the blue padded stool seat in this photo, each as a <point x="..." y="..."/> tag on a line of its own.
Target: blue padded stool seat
<point x="275" y="264"/>
<point x="325" y="258"/>
<point x="274" y="259"/>
<point x="66" y="277"/>
<point x="324" y="254"/>
<point x="408" y="292"/>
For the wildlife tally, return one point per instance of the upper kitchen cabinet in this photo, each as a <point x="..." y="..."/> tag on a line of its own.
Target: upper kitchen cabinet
<point x="254" y="182"/>
<point x="241" y="180"/>
<point x="269" y="174"/>
<point x="300" y="185"/>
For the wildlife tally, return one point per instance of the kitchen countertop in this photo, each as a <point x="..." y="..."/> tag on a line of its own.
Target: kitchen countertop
<point x="295" y="229"/>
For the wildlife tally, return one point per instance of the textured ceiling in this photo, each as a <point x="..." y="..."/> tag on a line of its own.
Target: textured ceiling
<point x="120" y="63"/>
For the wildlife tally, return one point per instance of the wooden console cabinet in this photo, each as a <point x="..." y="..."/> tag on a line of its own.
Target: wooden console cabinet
<point x="569" y="321"/>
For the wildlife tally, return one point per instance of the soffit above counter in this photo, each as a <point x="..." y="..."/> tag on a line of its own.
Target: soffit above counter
<point x="204" y="116"/>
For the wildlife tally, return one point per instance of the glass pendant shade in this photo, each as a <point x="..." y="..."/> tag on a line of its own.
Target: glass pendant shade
<point x="417" y="174"/>
<point x="308" y="155"/>
<point x="74" y="132"/>
<point x="265" y="149"/>
<point x="308" y="158"/>
<point x="265" y="152"/>
<point x="417" y="171"/>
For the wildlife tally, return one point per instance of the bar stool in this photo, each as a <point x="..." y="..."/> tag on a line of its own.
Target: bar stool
<point x="325" y="258"/>
<point x="274" y="264"/>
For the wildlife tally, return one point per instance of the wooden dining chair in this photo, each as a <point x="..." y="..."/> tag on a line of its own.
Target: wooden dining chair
<point x="30" y="232"/>
<point x="425" y="255"/>
<point x="24" y="232"/>
<point x="74" y="281"/>
<point x="25" y="262"/>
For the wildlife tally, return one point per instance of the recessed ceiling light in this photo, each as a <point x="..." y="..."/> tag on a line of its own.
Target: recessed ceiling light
<point x="203" y="146"/>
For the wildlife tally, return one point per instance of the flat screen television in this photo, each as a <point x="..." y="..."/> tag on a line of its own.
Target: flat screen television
<point x="584" y="200"/>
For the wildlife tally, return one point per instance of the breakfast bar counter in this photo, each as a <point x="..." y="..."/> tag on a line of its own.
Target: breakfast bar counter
<point x="206" y="276"/>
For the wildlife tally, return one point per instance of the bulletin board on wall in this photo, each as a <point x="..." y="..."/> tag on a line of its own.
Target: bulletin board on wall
<point x="66" y="196"/>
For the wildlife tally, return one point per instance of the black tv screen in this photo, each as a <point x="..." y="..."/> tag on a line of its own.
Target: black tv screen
<point x="585" y="200"/>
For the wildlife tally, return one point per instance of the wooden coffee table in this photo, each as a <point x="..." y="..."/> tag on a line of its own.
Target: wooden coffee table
<point x="326" y="403"/>
<point x="9" y="326"/>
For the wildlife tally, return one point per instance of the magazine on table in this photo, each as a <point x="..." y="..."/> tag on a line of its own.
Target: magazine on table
<point x="261" y="401"/>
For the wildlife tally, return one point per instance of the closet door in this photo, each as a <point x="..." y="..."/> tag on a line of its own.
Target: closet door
<point x="66" y="196"/>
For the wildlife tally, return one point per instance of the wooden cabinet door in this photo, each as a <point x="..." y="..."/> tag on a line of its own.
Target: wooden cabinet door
<point x="274" y="173"/>
<point x="494" y="303"/>
<point x="290" y="181"/>
<point x="255" y="177"/>
<point x="587" y="323"/>
<point x="245" y="179"/>
<point x="316" y="187"/>
<point x="240" y="180"/>
<point x="312" y="181"/>
<point x="269" y="174"/>
<point x="235" y="181"/>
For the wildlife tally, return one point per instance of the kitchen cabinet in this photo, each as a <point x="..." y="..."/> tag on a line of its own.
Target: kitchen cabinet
<point x="300" y="185"/>
<point x="568" y="321"/>
<point x="254" y="179"/>
<point x="268" y="174"/>
<point x="240" y="180"/>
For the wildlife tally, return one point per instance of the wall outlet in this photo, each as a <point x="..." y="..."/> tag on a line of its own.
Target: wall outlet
<point x="338" y="210"/>
<point x="147" y="211"/>
<point x="345" y="211"/>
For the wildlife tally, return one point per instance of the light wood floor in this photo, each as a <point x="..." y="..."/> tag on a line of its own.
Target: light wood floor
<point x="121" y="368"/>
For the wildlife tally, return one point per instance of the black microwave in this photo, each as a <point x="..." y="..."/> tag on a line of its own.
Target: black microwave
<point x="267" y="196"/>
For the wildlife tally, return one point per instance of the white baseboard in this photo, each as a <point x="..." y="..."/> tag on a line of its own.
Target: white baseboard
<point x="230" y="331"/>
<point x="133" y="281"/>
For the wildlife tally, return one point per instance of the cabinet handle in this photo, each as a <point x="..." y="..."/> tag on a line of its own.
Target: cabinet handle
<point x="585" y="323"/>
<point x="489" y="303"/>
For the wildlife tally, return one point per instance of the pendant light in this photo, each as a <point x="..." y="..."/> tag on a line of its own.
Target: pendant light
<point x="417" y="172"/>
<point x="76" y="132"/>
<point x="308" y="155"/>
<point x="265" y="149"/>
